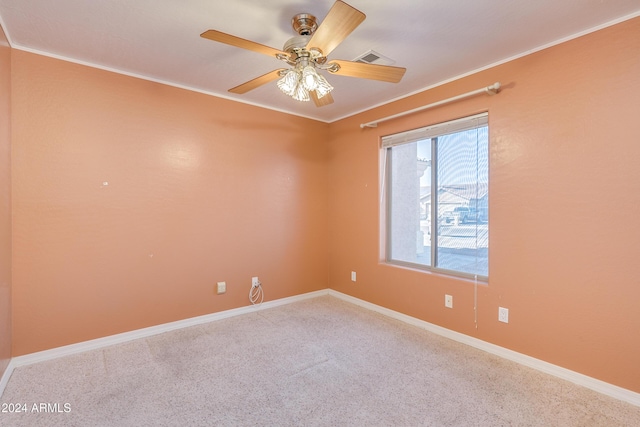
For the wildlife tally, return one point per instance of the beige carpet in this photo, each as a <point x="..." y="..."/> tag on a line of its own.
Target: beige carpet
<point x="319" y="362"/>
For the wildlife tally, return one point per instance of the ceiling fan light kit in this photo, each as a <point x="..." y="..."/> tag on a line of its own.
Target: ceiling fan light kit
<point x="307" y="53"/>
<point x="299" y="81"/>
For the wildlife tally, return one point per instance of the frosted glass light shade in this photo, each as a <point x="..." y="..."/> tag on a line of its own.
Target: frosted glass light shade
<point x="322" y="86"/>
<point x="309" y="78"/>
<point x="301" y="94"/>
<point x="289" y="82"/>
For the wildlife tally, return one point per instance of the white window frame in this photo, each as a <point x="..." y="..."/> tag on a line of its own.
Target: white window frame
<point x="415" y="135"/>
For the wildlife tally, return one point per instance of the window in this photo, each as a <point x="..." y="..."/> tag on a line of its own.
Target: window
<point x="436" y="197"/>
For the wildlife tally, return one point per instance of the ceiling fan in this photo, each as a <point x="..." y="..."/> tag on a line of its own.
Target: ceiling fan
<point x="307" y="53"/>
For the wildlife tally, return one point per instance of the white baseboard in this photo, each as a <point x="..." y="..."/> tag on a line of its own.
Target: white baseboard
<point x="81" y="347"/>
<point x="531" y="362"/>
<point x="540" y="365"/>
<point x="5" y="376"/>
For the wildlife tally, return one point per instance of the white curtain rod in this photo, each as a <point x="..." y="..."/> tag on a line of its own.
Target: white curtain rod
<point x="491" y="90"/>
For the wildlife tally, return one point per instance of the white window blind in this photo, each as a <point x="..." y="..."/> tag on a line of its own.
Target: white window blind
<point x="453" y="126"/>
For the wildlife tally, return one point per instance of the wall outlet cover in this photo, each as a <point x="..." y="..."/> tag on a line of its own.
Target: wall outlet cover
<point x="222" y="287"/>
<point x="448" y="301"/>
<point x="503" y="314"/>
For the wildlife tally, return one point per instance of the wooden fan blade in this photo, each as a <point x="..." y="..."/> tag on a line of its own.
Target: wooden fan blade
<point x="225" y="38"/>
<point x="258" y="81"/>
<point x="383" y="73"/>
<point x="321" y="102"/>
<point x="341" y="20"/>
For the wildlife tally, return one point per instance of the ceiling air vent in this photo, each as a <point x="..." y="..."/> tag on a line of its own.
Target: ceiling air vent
<point x="373" y="57"/>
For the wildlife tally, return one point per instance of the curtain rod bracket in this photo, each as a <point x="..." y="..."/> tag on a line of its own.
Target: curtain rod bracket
<point x="493" y="89"/>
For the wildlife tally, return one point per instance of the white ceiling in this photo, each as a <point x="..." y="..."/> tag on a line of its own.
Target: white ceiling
<point x="435" y="40"/>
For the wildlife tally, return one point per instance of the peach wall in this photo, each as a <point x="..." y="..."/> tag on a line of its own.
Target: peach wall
<point x="200" y="190"/>
<point x="5" y="202"/>
<point x="564" y="208"/>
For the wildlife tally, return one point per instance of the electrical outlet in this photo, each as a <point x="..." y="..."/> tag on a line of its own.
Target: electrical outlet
<point x="222" y="287"/>
<point x="255" y="282"/>
<point x="448" y="301"/>
<point x="353" y="276"/>
<point x="503" y="314"/>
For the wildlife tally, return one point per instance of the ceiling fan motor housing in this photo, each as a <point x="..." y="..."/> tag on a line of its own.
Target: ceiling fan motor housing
<point x="296" y="47"/>
<point x="305" y="25"/>
<point x="296" y="44"/>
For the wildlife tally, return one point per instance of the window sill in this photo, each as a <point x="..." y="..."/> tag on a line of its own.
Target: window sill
<point x="438" y="272"/>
